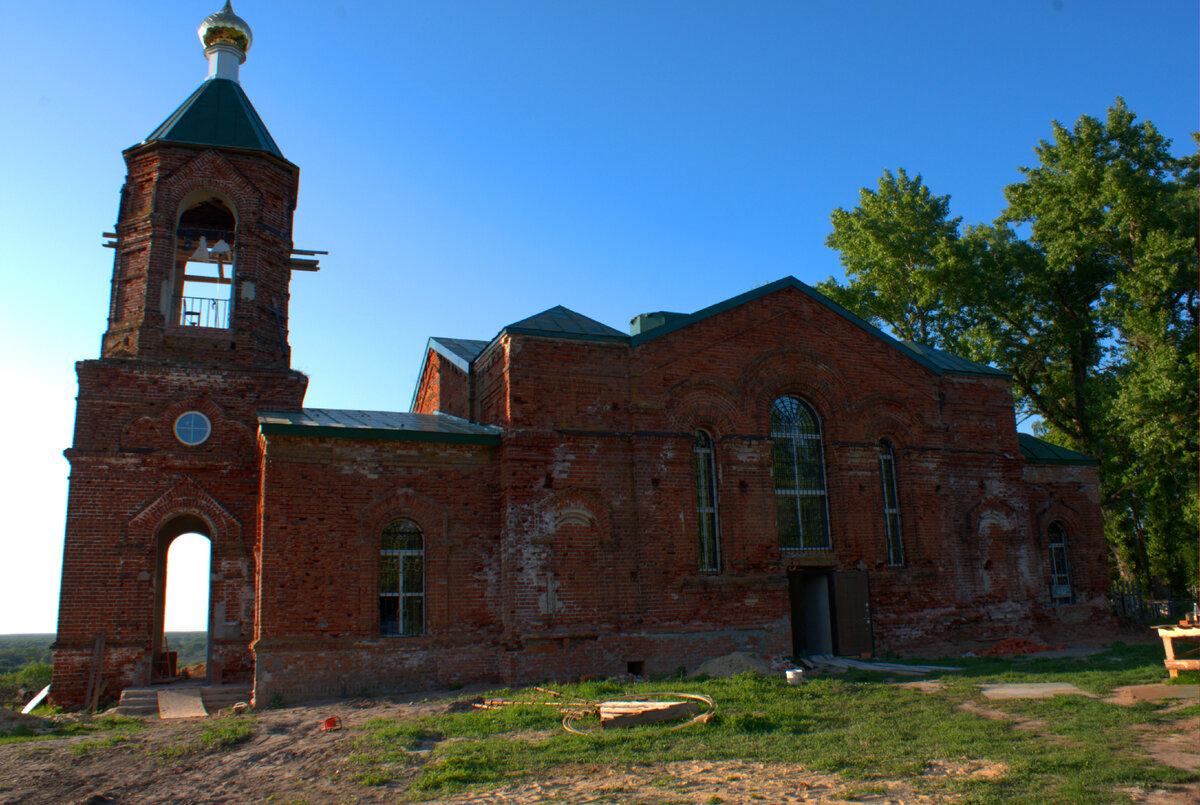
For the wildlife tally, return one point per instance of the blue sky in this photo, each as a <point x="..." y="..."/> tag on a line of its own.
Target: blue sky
<point x="468" y="164"/>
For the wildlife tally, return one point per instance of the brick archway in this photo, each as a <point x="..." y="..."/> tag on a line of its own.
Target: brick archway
<point x="173" y="528"/>
<point x="184" y="508"/>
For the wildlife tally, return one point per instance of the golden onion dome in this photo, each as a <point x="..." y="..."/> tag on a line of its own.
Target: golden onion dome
<point x="225" y="26"/>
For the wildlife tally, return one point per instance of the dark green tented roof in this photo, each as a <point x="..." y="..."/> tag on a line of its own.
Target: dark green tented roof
<point x="217" y="113"/>
<point x="392" y="425"/>
<point x="559" y="321"/>
<point x="1039" y="451"/>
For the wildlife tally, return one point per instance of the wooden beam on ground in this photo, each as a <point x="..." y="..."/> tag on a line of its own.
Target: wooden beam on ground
<point x="630" y="714"/>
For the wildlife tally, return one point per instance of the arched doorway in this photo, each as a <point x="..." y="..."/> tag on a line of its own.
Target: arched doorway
<point x="182" y="589"/>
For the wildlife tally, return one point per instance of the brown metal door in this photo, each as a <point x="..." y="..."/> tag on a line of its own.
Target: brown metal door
<point x="852" y="613"/>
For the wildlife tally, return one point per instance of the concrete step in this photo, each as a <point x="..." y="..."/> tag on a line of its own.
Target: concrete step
<point x="138" y="702"/>
<point x="220" y="697"/>
<point x="143" y="702"/>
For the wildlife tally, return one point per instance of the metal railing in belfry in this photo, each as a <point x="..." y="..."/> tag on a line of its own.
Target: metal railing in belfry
<point x="198" y="311"/>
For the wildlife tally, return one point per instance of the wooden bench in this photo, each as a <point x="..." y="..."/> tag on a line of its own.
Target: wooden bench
<point x="1189" y="635"/>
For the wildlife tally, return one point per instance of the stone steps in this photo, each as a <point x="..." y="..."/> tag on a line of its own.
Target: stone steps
<point x="143" y="702"/>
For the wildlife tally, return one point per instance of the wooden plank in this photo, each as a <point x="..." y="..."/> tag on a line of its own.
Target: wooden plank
<point x="181" y="703"/>
<point x="36" y="700"/>
<point x="629" y="714"/>
<point x="90" y="699"/>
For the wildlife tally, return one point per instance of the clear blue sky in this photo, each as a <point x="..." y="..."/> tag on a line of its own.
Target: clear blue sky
<point x="470" y="164"/>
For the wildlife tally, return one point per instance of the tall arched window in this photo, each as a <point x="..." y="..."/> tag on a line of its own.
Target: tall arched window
<point x="1060" y="566"/>
<point x="706" y="503"/>
<point x="799" y="471"/>
<point x="891" y="503"/>
<point x="402" y="579"/>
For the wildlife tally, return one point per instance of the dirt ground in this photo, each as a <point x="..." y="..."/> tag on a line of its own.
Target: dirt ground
<point x="290" y="760"/>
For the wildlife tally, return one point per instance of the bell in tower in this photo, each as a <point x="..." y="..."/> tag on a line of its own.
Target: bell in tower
<point x="203" y="236"/>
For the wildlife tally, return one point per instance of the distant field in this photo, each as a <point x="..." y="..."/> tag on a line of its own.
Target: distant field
<point x="20" y="650"/>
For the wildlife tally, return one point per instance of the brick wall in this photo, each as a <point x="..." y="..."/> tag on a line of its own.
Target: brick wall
<point x="133" y="485"/>
<point x="576" y="540"/>
<point x="162" y="181"/>
<point x="443" y="387"/>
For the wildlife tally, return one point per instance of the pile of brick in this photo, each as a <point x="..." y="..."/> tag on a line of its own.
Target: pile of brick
<point x="1015" y="645"/>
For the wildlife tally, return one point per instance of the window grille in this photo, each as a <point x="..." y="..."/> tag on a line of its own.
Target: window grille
<point x="891" y="503"/>
<point x="706" y="503"/>
<point x="799" y="472"/>
<point x="402" y="579"/>
<point x="1060" y="566"/>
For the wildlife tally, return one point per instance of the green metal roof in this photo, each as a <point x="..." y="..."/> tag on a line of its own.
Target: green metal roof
<point x="218" y="113"/>
<point x="564" y="323"/>
<point x="935" y="360"/>
<point x="1039" y="451"/>
<point x="392" y="425"/>
<point x="953" y="364"/>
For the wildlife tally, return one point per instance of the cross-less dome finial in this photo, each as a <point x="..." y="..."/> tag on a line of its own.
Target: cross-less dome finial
<point x="226" y="38"/>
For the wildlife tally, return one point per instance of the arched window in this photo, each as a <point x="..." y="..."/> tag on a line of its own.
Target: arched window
<point x="799" y="472"/>
<point x="706" y="503"/>
<point x="891" y="503"/>
<point x="1060" y="566"/>
<point x="402" y="579"/>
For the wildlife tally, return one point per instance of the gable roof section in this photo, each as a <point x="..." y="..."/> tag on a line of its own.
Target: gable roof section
<point x="1039" y="451"/>
<point x="388" y="425"/>
<point x="562" y="322"/>
<point x="933" y="359"/>
<point x="218" y="113"/>
<point x="459" y="351"/>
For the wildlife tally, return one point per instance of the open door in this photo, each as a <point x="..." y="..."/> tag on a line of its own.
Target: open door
<point x="851" y="597"/>
<point x="812" y="631"/>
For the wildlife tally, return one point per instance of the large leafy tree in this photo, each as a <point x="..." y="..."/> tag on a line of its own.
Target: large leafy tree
<point x="1085" y="291"/>
<point x="889" y="245"/>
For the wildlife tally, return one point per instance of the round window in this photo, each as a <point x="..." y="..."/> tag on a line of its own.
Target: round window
<point x="193" y="428"/>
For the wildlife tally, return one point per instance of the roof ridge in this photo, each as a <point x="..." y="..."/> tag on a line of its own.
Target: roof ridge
<point x="563" y="322"/>
<point x="937" y="367"/>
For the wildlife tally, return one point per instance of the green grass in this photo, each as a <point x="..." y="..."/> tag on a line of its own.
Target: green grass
<point x="856" y="726"/>
<point x="216" y="735"/>
<point x="119" y="725"/>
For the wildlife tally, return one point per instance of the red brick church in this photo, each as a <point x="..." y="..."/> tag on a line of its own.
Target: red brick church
<point x="770" y="474"/>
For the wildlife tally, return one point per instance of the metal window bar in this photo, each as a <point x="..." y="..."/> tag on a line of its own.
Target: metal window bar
<point x="402" y="580"/>
<point x="708" y="524"/>
<point x="891" y="504"/>
<point x="1061" y="591"/>
<point x="801" y="505"/>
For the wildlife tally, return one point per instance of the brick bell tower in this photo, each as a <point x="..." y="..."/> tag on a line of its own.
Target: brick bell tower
<point x="165" y="438"/>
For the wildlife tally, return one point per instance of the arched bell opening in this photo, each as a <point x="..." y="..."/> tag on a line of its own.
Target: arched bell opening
<point x="205" y="252"/>
<point x="182" y="590"/>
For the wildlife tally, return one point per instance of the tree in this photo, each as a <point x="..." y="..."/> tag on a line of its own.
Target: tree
<point x="1085" y="291"/>
<point x="889" y="245"/>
